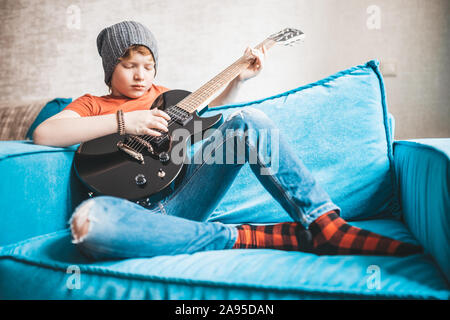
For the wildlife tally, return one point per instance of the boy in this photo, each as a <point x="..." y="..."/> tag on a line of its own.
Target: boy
<point x="107" y="227"/>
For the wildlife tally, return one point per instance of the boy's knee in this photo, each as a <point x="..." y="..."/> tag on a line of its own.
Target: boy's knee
<point x="79" y="223"/>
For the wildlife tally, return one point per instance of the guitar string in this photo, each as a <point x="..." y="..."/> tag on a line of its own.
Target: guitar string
<point x="150" y="138"/>
<point x="138" y="146"/>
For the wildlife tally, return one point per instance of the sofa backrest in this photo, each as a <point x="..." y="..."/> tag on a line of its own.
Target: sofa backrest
<point x="16" y="118"/>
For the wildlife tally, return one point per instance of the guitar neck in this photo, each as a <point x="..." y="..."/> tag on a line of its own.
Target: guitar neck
<point x="200" y="98"/>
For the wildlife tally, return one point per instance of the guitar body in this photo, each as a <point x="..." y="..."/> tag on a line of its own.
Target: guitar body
<point x="103" y="166"/>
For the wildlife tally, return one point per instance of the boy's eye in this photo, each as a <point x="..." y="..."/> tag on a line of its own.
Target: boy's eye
<point x="129" y="66"/>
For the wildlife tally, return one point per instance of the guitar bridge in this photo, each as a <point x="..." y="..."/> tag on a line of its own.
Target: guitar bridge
<point x="143" y="142"/>
<point x="131" y="152"/>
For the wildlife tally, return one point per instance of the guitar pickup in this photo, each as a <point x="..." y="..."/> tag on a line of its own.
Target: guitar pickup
<point x="179" y="115"/>
<point x="161" y="139"/>
<point x="184" y="120"/>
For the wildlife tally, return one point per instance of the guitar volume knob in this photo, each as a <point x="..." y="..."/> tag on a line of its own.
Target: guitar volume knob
<point x="164" y="157"/>
<point x="140" y="179"/>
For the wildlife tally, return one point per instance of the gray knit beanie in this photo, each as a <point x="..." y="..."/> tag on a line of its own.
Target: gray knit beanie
<point x="113" y="41"/>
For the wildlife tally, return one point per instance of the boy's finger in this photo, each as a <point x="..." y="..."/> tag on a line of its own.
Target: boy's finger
<point x="151" y="132"/>
<point x="159" y="126"/>
<point x="157" y="112"/>
<point x="162" y="120"/>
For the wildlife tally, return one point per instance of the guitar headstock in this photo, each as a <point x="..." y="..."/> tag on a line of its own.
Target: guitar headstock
<point x="287" y="37"/>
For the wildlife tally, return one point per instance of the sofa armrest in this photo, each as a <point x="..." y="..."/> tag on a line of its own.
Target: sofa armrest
<point x="38" y="189"/>
<point x="422" y="169"/>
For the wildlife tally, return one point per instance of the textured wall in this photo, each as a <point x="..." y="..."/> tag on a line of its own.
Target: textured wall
<point x="48" y="47"/>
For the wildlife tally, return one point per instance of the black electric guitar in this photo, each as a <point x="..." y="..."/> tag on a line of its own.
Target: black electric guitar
<point x="143" y="168"/>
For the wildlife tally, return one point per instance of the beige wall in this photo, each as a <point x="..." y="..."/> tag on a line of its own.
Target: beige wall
<point x="48" y="47"/>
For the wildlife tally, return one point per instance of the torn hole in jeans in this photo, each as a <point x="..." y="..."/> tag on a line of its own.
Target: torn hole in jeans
<point x="80" y="222"/>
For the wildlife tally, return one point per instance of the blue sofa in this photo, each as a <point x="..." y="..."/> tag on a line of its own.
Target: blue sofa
<point x="341" y="128"/>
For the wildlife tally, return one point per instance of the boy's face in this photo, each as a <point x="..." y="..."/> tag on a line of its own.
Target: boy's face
<point x="138" y="70"/>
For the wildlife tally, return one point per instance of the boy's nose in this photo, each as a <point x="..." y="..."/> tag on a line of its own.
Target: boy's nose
<point x="139" y="74"/>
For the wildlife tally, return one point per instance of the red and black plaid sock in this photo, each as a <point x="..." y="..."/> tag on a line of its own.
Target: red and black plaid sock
<point x="289" y="236"/>
<point x="332" y="235"/>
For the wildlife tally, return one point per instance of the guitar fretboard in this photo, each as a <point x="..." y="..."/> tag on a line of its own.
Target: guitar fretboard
<point x="202" y="96"/>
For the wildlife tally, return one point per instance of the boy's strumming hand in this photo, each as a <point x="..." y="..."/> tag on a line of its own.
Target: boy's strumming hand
<point x="257" y="58"/>
<point x="144" y="122"/>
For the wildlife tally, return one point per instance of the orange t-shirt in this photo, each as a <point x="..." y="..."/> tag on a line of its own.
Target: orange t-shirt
<point x="89" y="105"/>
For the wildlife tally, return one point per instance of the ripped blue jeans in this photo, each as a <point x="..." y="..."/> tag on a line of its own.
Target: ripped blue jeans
<point x="118" y="228"/>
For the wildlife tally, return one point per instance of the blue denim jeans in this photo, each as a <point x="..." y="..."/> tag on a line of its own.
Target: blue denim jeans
<point x="119" y="228"/>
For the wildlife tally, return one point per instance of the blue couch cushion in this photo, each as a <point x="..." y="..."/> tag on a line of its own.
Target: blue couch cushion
<point x="339" y="126"/>
<point x="48" y="111"/>
<point x="47" y="267"/>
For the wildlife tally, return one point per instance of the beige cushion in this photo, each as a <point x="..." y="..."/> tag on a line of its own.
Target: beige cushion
<point x="16" y="119"/>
